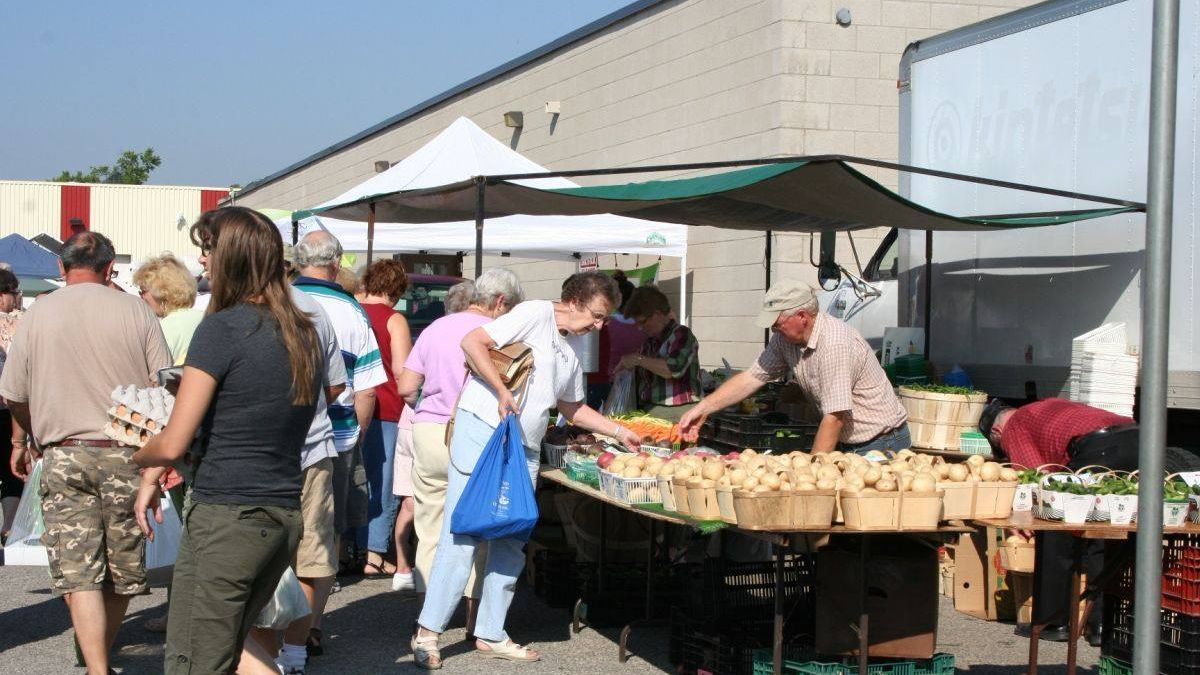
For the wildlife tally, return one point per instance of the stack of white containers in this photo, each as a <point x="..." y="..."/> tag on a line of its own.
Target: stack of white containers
<point x="1103" y="372"/>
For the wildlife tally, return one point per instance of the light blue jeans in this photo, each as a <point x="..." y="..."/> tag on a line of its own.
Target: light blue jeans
<point x="455" y="552"/>
<point x="892" y="441"/>
<point x="379" y="455"/>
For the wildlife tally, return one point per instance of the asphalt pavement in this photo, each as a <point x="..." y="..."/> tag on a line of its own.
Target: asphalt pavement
<point x="367" y="628"/>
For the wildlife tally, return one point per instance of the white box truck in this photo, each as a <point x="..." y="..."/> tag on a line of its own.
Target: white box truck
<point x="1054" y="95"/>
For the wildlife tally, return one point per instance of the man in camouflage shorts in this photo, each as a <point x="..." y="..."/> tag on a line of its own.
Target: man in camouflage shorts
<point x="71" y="350"/>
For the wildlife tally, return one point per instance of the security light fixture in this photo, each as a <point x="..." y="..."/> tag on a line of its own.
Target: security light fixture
<point x="843" y="17"/>
<point x="514" y="119"/>
<point x="382" y="165"/>
<point x="553" y="107"/>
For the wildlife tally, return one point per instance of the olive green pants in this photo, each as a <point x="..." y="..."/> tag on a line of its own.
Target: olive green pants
<point x="230" y="560"/>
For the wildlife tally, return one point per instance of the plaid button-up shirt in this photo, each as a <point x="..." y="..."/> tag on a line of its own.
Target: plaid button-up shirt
<point x="679" y="347"/>
<point x="838" y="372"/>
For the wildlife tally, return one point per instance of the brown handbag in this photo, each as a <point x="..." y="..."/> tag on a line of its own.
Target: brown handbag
<point x="514" y="362"/>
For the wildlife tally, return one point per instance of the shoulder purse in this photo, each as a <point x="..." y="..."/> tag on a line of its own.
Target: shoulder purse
<point x="514" y="362"/>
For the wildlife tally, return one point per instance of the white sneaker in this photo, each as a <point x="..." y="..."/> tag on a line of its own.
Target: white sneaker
<point x="403" y="582"/>
<point x="288" y="670"/>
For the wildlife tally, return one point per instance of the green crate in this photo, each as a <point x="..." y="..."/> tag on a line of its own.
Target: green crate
<point x="940" y="664"/>
<point x="974" y="443"/>
<point x="1111" y="666"/>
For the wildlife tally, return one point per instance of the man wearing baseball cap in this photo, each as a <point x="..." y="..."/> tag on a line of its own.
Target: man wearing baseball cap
<point x="834" y="366"/>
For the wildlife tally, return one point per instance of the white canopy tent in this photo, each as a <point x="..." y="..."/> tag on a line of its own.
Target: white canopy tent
<point x="461" y="152"/>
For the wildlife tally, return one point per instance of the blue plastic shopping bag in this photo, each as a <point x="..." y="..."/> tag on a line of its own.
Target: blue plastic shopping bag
<point x="498" y="501"/>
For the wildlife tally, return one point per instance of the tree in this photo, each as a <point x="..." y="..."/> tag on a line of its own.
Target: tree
<point x="131" y="168"/>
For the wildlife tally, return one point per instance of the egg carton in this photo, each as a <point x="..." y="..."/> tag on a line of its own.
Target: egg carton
<point x="127" y="434"/>
<point x="148" y="409"/>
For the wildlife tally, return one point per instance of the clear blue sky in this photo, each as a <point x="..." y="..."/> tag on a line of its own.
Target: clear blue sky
<point x="228" y="92"/>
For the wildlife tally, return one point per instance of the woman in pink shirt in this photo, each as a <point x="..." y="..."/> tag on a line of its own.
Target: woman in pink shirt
<point x="436" y="369"/>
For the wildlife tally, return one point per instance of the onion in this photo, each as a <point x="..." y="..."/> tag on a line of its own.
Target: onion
<point x="770" y="480"/>
<point x="855" y="482"/>
<point x="923" y="482"/>
<point x="684" y="471"/>
<point x="713" y="470"/>
<point x="942" y="471"/>
<point x="1008" y="474"/>
<point x="885" y="485"/>
<point x="801" y="460"/>
<point x="906" y="481"/>
<point x="828" y="472"/>
<point x="750" y="483"/>
<point x="958" y="472"/>
<point x="990" y="471"/>
<point x="872" y="476"/>
<point x="826" y="484"/>
<point x="736" y="476"/>
<point x="976" y="461"/>
<point x="632" y="472"/>
<point x="724" y="483"/>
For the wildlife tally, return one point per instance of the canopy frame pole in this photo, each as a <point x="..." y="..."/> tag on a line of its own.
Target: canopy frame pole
<point x="928" y="290"/>
<point x="480" y="189"/>
<point x="370" y="232"/>
<point x="1152" y="435"/>
<point x="683" y="272"/>
<point x="295" y="231"/>
<point x="767" y="278"/>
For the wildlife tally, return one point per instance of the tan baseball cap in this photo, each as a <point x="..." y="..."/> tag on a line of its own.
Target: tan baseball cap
<point x="783" y="296"/>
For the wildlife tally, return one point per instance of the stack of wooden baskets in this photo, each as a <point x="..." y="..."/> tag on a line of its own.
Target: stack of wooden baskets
<point x="938" y="420"/>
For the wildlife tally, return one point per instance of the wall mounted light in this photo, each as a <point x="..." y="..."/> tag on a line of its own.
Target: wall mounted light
<point x="843" y="17"/>
<point x="514" y="119"/>
<point x="553" y="107"/>
<point x="382" y="165"/>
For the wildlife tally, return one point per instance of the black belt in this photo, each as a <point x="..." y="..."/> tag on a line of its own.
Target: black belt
<point x="86" y="443"/>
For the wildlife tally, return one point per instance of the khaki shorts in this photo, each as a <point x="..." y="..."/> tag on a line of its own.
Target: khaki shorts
<point x="316" y="557"/>
<point x="91" y="539"/>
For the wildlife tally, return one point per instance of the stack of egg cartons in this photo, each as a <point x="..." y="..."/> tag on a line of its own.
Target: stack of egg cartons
<point x="138" y="414"/>
<point x="1103" y="372"/>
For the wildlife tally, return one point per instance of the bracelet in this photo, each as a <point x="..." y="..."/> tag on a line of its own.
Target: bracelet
<point x="616" y="430"/>
<point x="20" y="443"/>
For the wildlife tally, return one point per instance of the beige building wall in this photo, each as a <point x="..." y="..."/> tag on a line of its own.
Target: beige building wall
<point x="29" y="208"/>
<point x="688" y="81"/>
<point x="146" y="220"/>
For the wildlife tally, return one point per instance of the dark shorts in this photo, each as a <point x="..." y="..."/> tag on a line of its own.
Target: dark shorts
<point x="230" y="560"/>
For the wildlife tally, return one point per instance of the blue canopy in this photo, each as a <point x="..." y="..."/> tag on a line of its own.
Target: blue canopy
<point x="27" y="258"/>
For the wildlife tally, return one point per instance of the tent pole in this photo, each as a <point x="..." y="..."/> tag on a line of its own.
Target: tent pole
<point x="928" y="289"/>
<point x="370" y="232"/>
<point x="683" y="308"/>
<point x="1156" y="299"/>
<point x="767" y="281"/>
<point x="480" y="188"/>
<point x="295" y="231"/>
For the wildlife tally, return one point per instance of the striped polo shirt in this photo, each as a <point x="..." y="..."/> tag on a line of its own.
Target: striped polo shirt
<point x="360" y="352"/>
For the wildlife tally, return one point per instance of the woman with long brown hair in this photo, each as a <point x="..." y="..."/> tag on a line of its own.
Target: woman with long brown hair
<point x="249" y="389"/>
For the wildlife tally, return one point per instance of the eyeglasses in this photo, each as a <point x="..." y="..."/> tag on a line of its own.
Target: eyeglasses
<point x="599" y="317"/>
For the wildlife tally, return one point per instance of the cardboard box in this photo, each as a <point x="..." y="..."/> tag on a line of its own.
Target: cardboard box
<point x="976" y="579"/>
<point x="901" y="602"/>
<point x="1022" y="591"/>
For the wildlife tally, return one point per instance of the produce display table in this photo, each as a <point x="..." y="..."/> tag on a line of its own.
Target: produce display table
<point x="1114" y="564"/>
<point x="782" y="541"/>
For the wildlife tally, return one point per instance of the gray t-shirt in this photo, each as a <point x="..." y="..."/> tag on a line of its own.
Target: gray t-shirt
<point x="248" y="449"/>
<point x="319" y="443"/>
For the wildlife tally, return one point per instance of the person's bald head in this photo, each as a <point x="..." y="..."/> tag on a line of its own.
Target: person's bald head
<point x="319" y="255"/>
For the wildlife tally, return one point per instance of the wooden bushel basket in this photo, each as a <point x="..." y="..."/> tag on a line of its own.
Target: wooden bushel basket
<point x="994" y="499"/>
<point x="813" y="508"/>
<point x="702" y="504"/>
<point x="763" y="510"/>
<point x="871" y="510"/>
<point x="959" y="500"/>
<point x="920" y="510"/>
<point x="725" y="504"/>
<point x="679" y="486"/>
<point x="1017" y="557"/>
<point x="667" y="491"/>
<point x="937" y="421"/>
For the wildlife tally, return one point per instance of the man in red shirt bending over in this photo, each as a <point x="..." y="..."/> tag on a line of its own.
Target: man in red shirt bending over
<point x="1073" y="435"/>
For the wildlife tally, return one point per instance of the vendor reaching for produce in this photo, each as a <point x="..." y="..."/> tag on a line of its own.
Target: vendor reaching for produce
<point x="834" y="366"/>
<point x="668" y="365"/>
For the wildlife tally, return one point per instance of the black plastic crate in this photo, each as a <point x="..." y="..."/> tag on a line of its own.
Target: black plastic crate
<point x="556" y="577"/>
<point x="725" y="592"/>
<point x="623" y="596"/>
<point x="696" y="645"/>
<point x="1179" y="646"/>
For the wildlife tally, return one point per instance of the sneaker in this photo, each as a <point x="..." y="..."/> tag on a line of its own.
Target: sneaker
<point x="292" y="670"/>
<point x="403" y="582"/>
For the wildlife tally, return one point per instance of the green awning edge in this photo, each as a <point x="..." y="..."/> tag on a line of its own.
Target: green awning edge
<point x="680" y="188"/>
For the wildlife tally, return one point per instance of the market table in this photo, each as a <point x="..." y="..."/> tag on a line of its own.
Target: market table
<point x="1113" y="565"/>
<point x="782" y="541"/>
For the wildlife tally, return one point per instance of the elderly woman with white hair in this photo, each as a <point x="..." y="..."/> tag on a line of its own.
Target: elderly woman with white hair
<point x="435" y="368"/>
<point x="587" y="300"/>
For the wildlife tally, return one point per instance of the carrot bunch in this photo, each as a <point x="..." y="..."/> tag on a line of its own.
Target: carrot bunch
<point x="661" y="431"/>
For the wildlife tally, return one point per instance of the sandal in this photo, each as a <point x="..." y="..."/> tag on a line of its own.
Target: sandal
<point x="507" y="650"/>
<point x="374" y="571"/>
<point x="313" y="645"/>
<point x="425" y="652"/>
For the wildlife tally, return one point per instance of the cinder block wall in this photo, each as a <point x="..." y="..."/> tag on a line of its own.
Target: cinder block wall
<point x="689" y="81"/>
